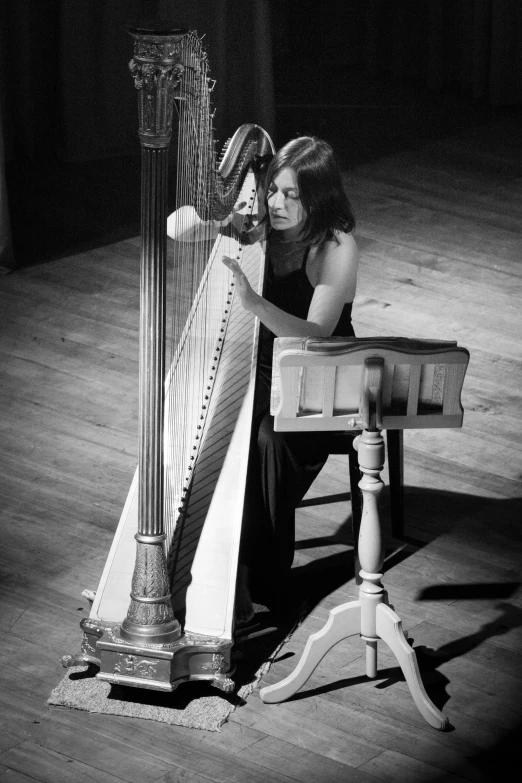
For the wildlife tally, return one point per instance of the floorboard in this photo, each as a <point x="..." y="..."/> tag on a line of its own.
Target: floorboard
<point x="439" y="234"/>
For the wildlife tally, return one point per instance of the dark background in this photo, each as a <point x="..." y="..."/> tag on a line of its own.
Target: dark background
<point x="370" y="76"/>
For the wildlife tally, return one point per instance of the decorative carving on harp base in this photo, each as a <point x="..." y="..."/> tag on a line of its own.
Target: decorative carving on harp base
<point x="133" y="634"/>
<point x="160" y="667"/>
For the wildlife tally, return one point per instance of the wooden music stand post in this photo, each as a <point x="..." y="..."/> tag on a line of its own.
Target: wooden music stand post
<point x="370" y="385"/>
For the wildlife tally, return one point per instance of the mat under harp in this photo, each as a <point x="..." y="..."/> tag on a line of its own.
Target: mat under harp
<point x="208" y="391"/>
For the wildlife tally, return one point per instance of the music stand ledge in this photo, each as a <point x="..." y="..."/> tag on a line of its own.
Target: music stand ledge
<point x="370" y="385"/>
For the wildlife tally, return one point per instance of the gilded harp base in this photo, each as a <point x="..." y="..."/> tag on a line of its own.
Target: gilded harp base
<point x="156" y="667"/>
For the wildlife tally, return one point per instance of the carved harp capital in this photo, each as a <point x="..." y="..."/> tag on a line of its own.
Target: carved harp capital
<point x="157" y="70"/>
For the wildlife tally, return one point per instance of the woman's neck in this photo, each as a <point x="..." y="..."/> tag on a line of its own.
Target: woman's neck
<point x="289" y="234"/>
<point x="286" y="240"/>
<point x="286" y="255"/>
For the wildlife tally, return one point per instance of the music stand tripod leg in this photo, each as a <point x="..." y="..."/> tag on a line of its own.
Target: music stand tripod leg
<point x="389" y="629"/>
<point x="343" y="621"/>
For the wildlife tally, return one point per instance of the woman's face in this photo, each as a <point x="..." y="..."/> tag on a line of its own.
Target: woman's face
<point x="285" y="210"/>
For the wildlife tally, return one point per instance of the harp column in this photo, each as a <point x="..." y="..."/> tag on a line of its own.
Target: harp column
<point x="156" y="70"/>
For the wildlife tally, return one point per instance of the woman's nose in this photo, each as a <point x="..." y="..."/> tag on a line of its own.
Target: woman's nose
<point x="276" y="200"/>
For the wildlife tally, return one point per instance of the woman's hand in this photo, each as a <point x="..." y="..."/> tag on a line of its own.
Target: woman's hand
<point x="245" y="222"/>
<point x="249" y="298"/>
<point x="236" y="217"/>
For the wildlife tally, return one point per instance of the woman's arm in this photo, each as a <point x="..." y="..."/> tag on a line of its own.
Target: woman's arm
<point x="185" y="225"/>
<point x="336" y="265"/>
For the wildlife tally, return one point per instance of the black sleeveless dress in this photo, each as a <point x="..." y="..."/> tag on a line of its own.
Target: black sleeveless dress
<point x="282" y="465"/>
<point x="292" y="293"/>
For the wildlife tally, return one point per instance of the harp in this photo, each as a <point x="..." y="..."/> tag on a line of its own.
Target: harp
<point x="163" y="611"/>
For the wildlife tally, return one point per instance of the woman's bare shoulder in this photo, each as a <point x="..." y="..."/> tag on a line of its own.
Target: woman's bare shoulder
<point x="335" y="262"/>
<point x="344" y="239"/>
<point x="342" y="246"/>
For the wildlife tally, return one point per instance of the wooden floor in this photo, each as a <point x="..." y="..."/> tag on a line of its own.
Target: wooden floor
<point x="441" y="250"/>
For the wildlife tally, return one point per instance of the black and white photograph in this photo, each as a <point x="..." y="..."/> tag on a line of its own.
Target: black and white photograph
<point x="260" y="391"/>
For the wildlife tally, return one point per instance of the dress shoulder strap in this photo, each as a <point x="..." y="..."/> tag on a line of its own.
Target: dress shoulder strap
<point x="305" y="258"/>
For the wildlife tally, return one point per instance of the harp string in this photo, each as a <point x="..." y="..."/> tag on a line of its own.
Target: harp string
<point x="200" y="285"/>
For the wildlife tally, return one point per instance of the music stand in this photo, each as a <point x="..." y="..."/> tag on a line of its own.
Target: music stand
<point x="367" y="384"/>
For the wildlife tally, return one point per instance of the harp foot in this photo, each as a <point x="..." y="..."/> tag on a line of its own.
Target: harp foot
<point x="89" y="595"/>
<point x="224" y="683"/>
<point x="80" y="659"/>
<point x="92" y="631"/>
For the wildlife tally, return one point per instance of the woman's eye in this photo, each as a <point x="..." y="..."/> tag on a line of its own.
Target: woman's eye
<point x="292" y="194"/>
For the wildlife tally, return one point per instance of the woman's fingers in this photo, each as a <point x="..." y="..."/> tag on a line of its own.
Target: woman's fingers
<point x="241" y="278"/>
<point x="246" y="293"/>
<point x="232" y="264"/>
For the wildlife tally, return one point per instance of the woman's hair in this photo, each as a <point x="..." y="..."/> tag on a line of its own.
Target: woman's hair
<point x="320" y="186"/>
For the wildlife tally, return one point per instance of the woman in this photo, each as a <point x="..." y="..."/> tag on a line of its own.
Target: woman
<point x="311" y="279"/>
